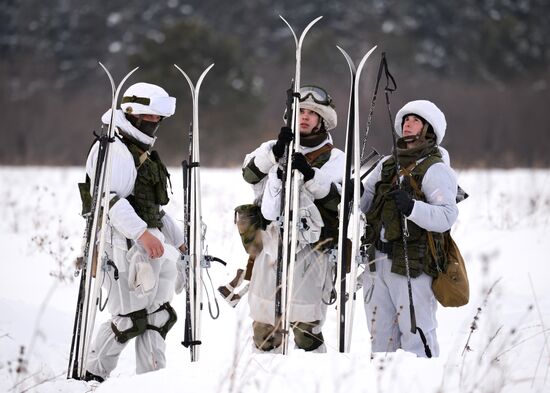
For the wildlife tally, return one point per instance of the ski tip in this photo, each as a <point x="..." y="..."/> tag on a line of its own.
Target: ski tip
<point x="341" y="49"/>
<point x="104" y="68"/>
<point x="309" y="26"/>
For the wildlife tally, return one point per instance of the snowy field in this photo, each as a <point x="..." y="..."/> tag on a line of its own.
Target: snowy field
<point x="497" y="343"/>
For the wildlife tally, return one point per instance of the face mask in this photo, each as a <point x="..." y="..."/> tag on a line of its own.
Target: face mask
<point x="149" y="128"/>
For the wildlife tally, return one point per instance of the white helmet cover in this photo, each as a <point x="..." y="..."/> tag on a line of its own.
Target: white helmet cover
<point x="428" y="111"/>
<point x="327" y="112"/>
<point x="148" y="99"/>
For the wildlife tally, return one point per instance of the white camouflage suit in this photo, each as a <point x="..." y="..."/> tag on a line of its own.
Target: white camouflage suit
<point x="312" y="277"/>
<point x="143" y="283"/>
<point x="386" y="293"/>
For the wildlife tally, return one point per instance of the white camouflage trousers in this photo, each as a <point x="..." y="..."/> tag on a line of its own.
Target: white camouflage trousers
<point x="106" y="350"/>
<point x="386" y="300"/>
<point x="150" y="346"/>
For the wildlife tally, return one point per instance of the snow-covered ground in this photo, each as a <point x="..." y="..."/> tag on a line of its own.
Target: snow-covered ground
<point x="503" y="232"/>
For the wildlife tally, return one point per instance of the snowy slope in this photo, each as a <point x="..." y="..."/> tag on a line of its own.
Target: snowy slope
<point x="502" y="230"/>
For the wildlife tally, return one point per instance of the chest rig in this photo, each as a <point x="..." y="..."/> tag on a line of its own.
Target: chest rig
<point x="150" y="188"/>
<point x="327" y="206"/>
<point x="384" y="213"/>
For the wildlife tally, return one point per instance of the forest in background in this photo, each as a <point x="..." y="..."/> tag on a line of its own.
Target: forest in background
<point x="483" y="62"/>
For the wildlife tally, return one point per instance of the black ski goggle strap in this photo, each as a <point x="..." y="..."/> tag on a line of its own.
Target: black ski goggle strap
<point x="317" y="94"/>
<point x="136" y="99"/>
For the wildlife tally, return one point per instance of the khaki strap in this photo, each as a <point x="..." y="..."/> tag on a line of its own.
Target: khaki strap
<point x="142" y="158"/>
<point x="137" y="100"/>
<point x="431" y="245"/>
<point x="312" y="156"/>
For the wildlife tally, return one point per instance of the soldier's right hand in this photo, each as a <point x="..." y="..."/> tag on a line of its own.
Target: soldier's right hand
<point x="153" y="246"/>
<point x="284" y="138"/>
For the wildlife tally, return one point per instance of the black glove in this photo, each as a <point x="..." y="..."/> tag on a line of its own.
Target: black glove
<point x="403" y="201"/>
<point x="284" y="138"/>
<point x="300" y="163"/>
<point x="280" y="173"/>
<point x="351" y="187"/>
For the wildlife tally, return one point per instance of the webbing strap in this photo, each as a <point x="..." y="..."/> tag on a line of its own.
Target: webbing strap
<point x="312" y="156"/>
<point x="427" y="349"/>
<point x="136" y="99"/>
<point x="142" y="158"/>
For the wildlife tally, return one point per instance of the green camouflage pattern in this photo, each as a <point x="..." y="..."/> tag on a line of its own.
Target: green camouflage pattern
<point x="150" y="187"/>
<point x="384" y="212"/>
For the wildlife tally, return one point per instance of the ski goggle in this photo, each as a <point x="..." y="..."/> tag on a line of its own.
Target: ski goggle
<point x="317" y="94"/>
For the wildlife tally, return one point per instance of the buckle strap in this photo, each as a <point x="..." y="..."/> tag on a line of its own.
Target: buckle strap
<point x="384" y="247"/>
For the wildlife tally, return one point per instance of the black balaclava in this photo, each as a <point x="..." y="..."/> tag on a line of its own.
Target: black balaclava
<point x="149" y="128"/>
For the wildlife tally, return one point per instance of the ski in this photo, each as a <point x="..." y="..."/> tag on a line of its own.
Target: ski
<point x="195" y="258"/>
<point x="289" y="209"/>
<point x="279" y="267"/>
<point x="349" y="214"/>
<point x="93" y="263"/>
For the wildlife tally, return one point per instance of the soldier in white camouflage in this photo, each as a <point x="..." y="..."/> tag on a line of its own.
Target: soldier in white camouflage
<point x="427" y="198"/>
<point x="322" y="167"/>
<point x="143" y="242"/>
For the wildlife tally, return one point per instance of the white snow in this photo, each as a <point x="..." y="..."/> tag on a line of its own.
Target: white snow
<point x="503" y="231"/>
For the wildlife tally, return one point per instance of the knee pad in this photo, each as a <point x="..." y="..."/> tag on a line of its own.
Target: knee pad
<point x="139" y="325"/>
<point x="265" y="336"/>
<point x="172" y="318"/>
<point x="305" y="337"/>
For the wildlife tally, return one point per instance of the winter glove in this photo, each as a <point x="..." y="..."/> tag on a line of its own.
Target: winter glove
<point x="403" y="201"/>
<point x="284" y="138"/>
<point x="280" y="173"/>
<point x="141" y="276"/>
<point x="351" y="187"/>
<point x="300" y="163"/>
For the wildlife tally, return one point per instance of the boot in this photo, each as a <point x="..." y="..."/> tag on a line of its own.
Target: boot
<point x="92" y="377"/>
